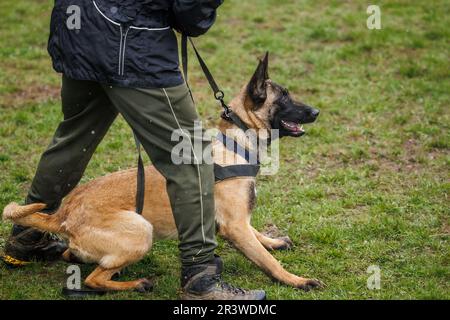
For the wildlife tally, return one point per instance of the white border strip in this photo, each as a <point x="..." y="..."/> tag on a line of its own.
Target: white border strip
<point x="149" y="29"/>
<point x="96" y="7"/>
<point x="124" y="49"/>
<point x="120" y="49"/>
<point x="132" y="27"/>
<point x="198" y="169"/>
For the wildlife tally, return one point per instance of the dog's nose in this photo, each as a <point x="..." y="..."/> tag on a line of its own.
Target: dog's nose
<point x="315" y="113"/>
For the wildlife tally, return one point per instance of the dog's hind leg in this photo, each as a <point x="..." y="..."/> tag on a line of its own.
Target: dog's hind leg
<point x="100" y="278"/>
<point x="68" y="256"/>
<point x="115" y="241"/>
<point x="282" y="243"/>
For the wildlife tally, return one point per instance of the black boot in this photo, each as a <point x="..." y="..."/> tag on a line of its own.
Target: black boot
<point x="27" y="244"/>
<point x="204" y="282"/>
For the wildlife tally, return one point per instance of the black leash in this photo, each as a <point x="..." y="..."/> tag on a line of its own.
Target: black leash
<point x="219" y="95"/>
<point x="140" y="183"/>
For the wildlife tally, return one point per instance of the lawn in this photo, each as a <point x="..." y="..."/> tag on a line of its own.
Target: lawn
<point x="368" y="184"/>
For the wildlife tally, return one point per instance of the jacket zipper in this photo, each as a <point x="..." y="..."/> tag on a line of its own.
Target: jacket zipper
<point x="123" y="38"/>
<point x="122" y="49"/>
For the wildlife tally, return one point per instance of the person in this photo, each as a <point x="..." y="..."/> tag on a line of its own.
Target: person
<point x="121" y="57"/>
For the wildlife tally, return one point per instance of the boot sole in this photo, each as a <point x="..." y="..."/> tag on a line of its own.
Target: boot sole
<point x="13" y="263"/>
<point x="211" y="296"/>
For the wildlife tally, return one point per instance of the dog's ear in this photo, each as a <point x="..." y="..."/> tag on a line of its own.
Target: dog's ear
<point x="256" y="88"/>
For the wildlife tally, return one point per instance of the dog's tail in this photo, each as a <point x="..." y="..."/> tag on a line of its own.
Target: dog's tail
<point x="29" y="216"/>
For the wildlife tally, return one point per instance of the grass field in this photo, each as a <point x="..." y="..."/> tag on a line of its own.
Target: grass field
<point x="368" y="184"/>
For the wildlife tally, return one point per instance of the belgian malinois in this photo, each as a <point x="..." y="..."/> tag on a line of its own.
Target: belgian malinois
<point x="101" y="226"/>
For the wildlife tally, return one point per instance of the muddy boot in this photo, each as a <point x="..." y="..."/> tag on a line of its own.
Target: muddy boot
<point x="204" y="282"/>
<point x="26" y="245"/>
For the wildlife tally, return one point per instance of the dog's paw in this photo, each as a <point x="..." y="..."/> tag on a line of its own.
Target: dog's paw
<point x="286" y="243"/>
<point x="145" y="285"/>
<point x="309" y="284"/>
<point x="9" y="211"/>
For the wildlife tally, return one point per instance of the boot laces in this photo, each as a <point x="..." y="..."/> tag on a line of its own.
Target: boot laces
<point x="226" y="286"/>
<point x="52" y="237"/>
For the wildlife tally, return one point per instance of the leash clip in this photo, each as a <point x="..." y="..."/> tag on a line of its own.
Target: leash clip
<point x="226" y="111"/>
<point x="220" y="95"/>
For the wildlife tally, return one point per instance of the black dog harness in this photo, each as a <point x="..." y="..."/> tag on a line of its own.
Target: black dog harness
<point x="239" y="170"/>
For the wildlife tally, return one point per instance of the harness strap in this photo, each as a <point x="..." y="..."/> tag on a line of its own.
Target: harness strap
<point x="236" y="120"/>
<point x="249" y="156"/>
<point x="242" y="170"/>
<point x="140" y="186"/>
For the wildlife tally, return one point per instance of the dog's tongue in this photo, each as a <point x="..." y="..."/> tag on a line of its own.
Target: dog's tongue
<point x="292" y="126"/>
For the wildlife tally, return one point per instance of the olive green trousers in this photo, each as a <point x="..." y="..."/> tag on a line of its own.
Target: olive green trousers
<point x="89" y="109"/>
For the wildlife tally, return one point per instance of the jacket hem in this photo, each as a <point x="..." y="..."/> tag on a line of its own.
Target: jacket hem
<point x="129" y="82"/>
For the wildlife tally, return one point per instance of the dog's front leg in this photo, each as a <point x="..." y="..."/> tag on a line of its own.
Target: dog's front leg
<point x="282" y="243"/>
<point x="243" y="238"/>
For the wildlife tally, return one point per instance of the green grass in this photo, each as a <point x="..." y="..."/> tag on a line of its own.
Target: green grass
<point x="368" y="185"/>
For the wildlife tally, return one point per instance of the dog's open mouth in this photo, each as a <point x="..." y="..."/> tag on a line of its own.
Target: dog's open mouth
<point x="293" y="128"/>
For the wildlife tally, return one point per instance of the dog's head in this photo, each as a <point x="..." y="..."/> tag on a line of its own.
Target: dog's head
<point x="273" y="106"/>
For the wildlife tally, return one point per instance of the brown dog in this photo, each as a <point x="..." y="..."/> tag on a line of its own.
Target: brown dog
<point x="100" y="223"/>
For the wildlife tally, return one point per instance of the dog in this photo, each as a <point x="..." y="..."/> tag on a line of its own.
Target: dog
<point x="101" y="225"/>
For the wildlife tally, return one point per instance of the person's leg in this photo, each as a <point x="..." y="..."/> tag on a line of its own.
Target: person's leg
<point x="87" y="116"/>
<point x="154" y="114"/>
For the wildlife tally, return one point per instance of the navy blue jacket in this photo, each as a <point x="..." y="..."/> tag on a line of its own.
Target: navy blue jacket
<point x="128" y="43"/>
